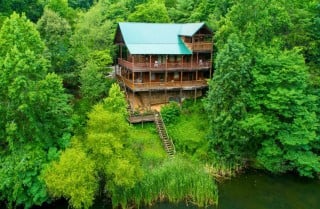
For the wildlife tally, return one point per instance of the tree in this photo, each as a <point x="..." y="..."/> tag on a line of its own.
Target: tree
<point x="116" y="101"/>
<point x="34" y="110"/>
<point x="94" y="85"/>
<point x="105" y="152"/>
<point x="259" y="112"/>
<point x="182" y="12"/>
<point x="32" y="8"/>
<point x="61" y="7"/>
<point x="85" y="4"/>
<point x="152" y="11"/>
<point x="282" y="103"/>
<point x="93" y="38"/>
<point x="56" y="33"/>
<point x="66" y="178"/>
<point x="227" y="102"/>
<point x="19" y="176"/>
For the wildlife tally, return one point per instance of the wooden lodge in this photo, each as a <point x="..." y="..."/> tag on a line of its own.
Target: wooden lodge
<point x="162" y="62"/>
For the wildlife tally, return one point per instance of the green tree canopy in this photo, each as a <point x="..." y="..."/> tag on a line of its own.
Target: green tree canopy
<point x="152" y="11"/>
<point x="282" y="103"/>
<point x="93" y="38"/>
<point x="226" y="102"/>
<point x="56" y="33"/>
<point x="34" y="110"/>
<point x="32" y="8"/>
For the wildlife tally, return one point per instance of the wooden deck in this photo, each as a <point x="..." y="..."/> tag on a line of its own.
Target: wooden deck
<point x="171" y="85"/>
<point x="160" y="67"/>
<point x="200" y="47"/>
<point x="141" y="118"/>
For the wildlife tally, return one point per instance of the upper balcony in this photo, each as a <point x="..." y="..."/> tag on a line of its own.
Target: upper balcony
<point x="200" y="46"/>
<point x="155" y="66"/>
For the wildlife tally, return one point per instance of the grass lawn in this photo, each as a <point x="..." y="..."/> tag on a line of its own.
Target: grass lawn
<point x="190" y="129"/>
<point x="146" y="140"/>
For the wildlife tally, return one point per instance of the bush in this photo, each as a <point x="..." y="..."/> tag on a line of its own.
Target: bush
<point x="170" y="112"/>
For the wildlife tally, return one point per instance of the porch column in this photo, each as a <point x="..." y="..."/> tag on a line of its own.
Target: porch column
<point x="166" y="72"/>
<point x="166" y="62"/>
<point x="149" y="98"/>
<point x="197" y="58"/>
<point x="133" y="78"/>
<point x="182" y="60"/>
<point x="150" y="57"/>
<point x="132" y="62"/>
<point x="192" y="53"/>
<point x="149" y="78"/>
<point x="196" y="75"/>
<point x="181" y="77"/>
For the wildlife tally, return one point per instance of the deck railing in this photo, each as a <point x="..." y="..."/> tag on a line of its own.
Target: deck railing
<point x="201" y="46"/>
<point x="146" y="66"/>
<point x="164" y="85"/>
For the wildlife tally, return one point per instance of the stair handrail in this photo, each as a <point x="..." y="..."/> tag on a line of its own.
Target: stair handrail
<point x="165" y="129"/>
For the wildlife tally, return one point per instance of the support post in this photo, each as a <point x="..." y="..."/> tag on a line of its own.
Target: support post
<point x="133" y="99"/>
<point x="182" y="61"/>
<point x="149" y="78"/>
<point x="133" y="78"/>
<point x="165" y="95"/>
<point x="166" y="72"/>
<point x="150" y="57"/>
<point x="149" y="98"/>
<point x="180" y="97"/>
<point x="197" y="58"/>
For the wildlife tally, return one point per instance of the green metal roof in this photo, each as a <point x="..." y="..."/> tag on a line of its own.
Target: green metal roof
<point x="189" y="29"/>
<point x="157" y="38"/>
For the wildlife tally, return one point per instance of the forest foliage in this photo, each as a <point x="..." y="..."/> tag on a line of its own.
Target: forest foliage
<point x="59" y="107"/>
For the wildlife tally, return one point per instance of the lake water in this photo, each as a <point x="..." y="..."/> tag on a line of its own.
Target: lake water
<point x="254" y="191"/>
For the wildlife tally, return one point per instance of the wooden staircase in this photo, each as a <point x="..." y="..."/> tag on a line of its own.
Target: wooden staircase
<point x="162" y="131"/>
<point x="157" y="118"/>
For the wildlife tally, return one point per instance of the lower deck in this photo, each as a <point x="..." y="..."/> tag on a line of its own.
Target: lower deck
<point x="153" y="100"/>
